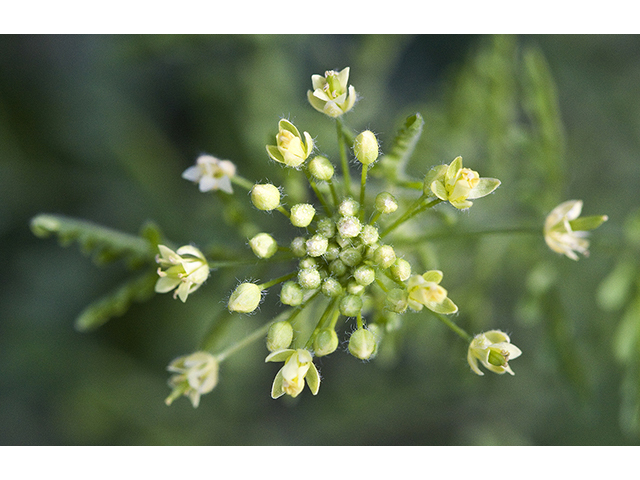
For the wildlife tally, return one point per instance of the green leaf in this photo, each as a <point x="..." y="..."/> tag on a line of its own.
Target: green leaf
<point x="105" y="244"/>
<point x="117" y="302"/>
<point x="391" y="165"/>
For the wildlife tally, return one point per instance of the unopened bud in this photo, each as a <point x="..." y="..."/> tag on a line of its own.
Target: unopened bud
<point x="302" y="214"/>
<point x="401" y="269"/>
<point x="291" y="294"/>
<point x="385" y="256"/>
<point x="350" y="305"/>
<point x="365" y="147"/>
<point x="321" y="168"/>
<point x="245" y="298"/>
<point x="362" y="344"/>
<point x="326" y="342"/>
<point x="386" y="203"/>
<point x="279" y="336"/>
<point x="265" y="196"/>
<point x="263" y="245"/>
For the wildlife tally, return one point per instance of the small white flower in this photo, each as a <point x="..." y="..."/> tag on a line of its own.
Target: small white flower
<point x="211" y="174"/>
<point x="196" y="374"/>
<point x="186" y="269"/>
<point x="494" y="350"/>
<point x="298" y="367"/>
<point x="558" y="233"/>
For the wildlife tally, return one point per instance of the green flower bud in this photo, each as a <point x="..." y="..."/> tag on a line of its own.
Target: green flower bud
<point x="333" y="251"/>
<point x="350" y="305"/>
<point x="349" y="227"/>
<point x="369" y="235"/>
<point x="326" y="342"/>
<point x="386" y="203"/>
<point x="302" y="214"/>
<point x="308" y="262"/>
<point x="362" y="344"/>
<point x="309" y="278"/>
<point x="317" y="246"/>
<point x="291" y="294"/>
<point x="397" y="300"/>
<point x="401" y="269"/>
<point x="385" y="256"/>
<point x="338" y="268"/>
<point x="331" y="287"/>
<point x="279" y="336"/>
<point x="326" y="227"/>
<point x="348" y="207"/>
<point x="299" y="246"/>
<point x="354" y="288"/>
<point x="321" y="168"/>
<point x="365" y="147"/>
<point x="364" y="275"/>
<point x="245" y="298"/>
<point x="351" y="256"/>
<point x="265" y="196"/>
<point x="263" y="245"/>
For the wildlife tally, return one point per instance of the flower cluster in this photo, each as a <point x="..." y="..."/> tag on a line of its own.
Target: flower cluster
<point x="344" y="259"/>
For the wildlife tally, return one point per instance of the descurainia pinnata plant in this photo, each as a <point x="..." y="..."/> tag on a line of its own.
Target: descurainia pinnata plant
<point x="346" y="261"/>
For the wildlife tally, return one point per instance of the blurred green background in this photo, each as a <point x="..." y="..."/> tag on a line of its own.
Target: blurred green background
<point x="101" y="127"/>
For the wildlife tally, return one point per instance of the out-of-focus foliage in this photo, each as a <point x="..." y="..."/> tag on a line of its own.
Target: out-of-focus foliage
<point x="101" y="127"/>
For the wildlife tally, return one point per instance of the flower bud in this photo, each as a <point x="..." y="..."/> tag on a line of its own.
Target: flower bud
<point x="279" y="336"/>
<point x="397" y="300"/>
<point x="350" y="305"/>
<point x="362" y="344"/>
<point x="349" y="227"/>
<point x="369" y="235"/>
<point x="331" y="287"/>
<point x="348" y="207"/>
<point x="401" y="269"/>
<point x="354" y="288"/>
<point x="326" y="227"/>
<point x="321" y="168"/>
<point x="364" y="275"/>
<point x="351" y="256"/>
<point x="245" y="298"/>
<point x="326" y="342"/>
<point x="386" y="203"/>
<point x="309" y="278"/>
<point x="337" y="267"/>
<point x="302" y="214"/>
<point x="265" y="196"/>
<point x="263" y="245"/>
<point x="299" y="246"/>
<point x="291" y="294"/>
<point x="365" y="147"/>
<point x="333" y="252"/>
<point x="385" y="256"/>
<point x="317" y="246"/>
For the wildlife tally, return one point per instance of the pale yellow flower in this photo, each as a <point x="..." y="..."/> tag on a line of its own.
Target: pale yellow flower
<point x="290" y="148"/>
<point x="458" y="185"/>
<point x="211" y="174"/>
<point x="494" y="350"/>
<point x="565" y="233"/>
<point x="331" y="94"/>
<point x="186" y="269"/>
<point x="298" y="367"/>
<point x="425" y="291"/>
<point x="196" y="374"/>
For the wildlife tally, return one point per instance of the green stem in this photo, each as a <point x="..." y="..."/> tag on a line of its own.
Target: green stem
<point x="242" y="182"/>
<point x="275" y="281"/>
<point x="284" y="211"/>
<point x="532" y="230"/>
<point x="252" y="337"/>
<point x="334" y="193"/>
<point x="327" y="312"/>
<point x="418" y="206"/>
<point x="363" y="184"/>
<point x="464" y="335"/>
<point x="318" y="193"/>
<point x="343" y="158"/>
